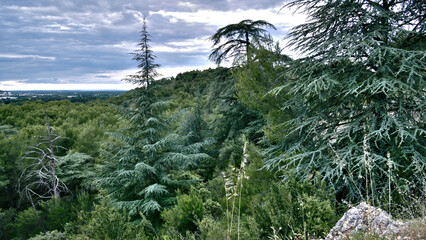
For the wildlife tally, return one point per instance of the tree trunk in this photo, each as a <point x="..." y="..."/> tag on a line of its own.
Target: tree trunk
<point x="52" y="160"/>
<point x="248" y="47"/>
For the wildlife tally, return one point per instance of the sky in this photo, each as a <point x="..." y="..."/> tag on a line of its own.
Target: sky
<point x="85" y="44"/>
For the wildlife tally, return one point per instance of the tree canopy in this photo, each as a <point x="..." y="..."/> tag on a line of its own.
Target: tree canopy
<point x="238" y="38"/>
<point x="357" y="99"/>
<point x="272" y="148"/>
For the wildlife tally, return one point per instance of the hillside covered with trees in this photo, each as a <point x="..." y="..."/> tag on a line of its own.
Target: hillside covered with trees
<point x="270" y="148"/>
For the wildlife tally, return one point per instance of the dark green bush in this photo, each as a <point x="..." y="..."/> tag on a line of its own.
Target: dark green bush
<point x="106" y="222"/>
<point x="28" y="223"/>
<point x="6" y="224"/>
<point x="184" y="215"/>
<point x="297" y="208"/>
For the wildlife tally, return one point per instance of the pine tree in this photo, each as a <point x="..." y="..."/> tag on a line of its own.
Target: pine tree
<point x="192" y="141"/>
<point x="140" y="160"/>
<point x="358" y="98"/>
<point x="145" y="58"/>
<point x="132" y="176"/>
<point x="238" y="38"/>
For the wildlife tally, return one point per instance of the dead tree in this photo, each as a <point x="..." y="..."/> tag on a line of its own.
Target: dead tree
<point x="39" y="181"/>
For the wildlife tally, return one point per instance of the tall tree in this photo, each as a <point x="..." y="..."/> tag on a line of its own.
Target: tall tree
<point x="140" y="160"/>
<point x="145" y="58"/>
<point x="238" y="39"/>
<point x="132" y="175"/>
<point x="358" y="98"/>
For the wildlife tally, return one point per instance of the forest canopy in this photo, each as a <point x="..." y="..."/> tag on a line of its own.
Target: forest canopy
<point x="270" y="148"/>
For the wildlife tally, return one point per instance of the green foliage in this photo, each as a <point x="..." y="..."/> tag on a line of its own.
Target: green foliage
<point x="51" y="215"/>
<point x="28" y="223"/>
<point x="6" y="223"/>
<point x="256" y="79"/>
<point x="77" y="171"/>
<point x="106" y="222"/>
<point x="231" y="119"/>
<point x="185" y="214"/>
<point x="56" y="213"/>
<point x="53" y="235"/>
<point x="259" y="76"/>
<point x="357" y="100"/>
<point x="139" y="159"/>
<point x="296" y="208"/>
<point x="351" y="111"/>
<point x="362" y="235"/>
<point x="238" y="39"/>
<point x="145" y="58"/>
<point x="11" y="149"/>
<point x="82" y="124"/>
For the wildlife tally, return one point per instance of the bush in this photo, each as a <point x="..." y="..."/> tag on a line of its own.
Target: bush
<point x="53" y="235"/>
<point x="183" y="217"/>
<point x="28" y="223"/>
<point x="56" y="213"/>
<point x="6" y="224"/>
<point x="296" y="208"/>
<point x="106" y="222"/>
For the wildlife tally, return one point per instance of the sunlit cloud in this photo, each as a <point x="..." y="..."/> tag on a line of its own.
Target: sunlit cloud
<point x="195" y="45"/>
<point x="12" y="56"/>
<point x="277" y="16"/>
<point x="32" y="9"/>
<point x="187" y="4"/>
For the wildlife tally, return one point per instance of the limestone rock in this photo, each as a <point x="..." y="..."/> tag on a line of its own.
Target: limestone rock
<point x="365" y="218"/>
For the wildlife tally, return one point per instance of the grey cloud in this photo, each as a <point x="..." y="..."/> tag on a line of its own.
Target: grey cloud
<point x="59" y="40"/>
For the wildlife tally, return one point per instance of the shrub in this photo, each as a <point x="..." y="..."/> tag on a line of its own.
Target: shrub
<point x="28" y="223"/>
<point x="183" y="217"/>
<point x="296" y="208"/>
<point x="53" y="235"/>
<point x="6" y="224"/>
<point x="106" y="222"/>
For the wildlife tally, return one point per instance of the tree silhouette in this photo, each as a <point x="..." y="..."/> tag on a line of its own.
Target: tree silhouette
<point x="238" y="38"/>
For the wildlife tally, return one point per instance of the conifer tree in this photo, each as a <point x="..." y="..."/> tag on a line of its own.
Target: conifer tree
<point x="358" y="98"/>
<point x="145" y="58"/>
<point x="141" y="159"/>
<point x="191" y="143"/>
<point x="132" y="176"/>
<point x="238" y="38"/>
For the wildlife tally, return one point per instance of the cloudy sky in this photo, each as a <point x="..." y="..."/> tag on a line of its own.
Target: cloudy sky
<point x="85" y="44"/>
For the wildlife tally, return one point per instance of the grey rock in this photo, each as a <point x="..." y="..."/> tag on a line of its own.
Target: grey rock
<point x="365" y="218"/>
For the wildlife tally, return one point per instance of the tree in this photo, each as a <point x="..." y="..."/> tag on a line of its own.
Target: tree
<point x="259" y="76"/>
<point x="132" y="175"/>
<point x="77" y="171"/>
<point x="238" y="39"/>
<point x="358" y="98"/>
<point x="39" y="179"/>
<point x="142" y="159"/>
<point x="145" y="58"/>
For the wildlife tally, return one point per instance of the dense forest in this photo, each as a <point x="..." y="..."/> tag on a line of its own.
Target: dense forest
<point x="270" y="148"/>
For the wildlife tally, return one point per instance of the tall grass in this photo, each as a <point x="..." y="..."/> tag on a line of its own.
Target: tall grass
<point x="233" y="183"/>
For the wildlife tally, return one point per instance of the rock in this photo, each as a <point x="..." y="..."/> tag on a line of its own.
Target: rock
<point x="365" y="218"/>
